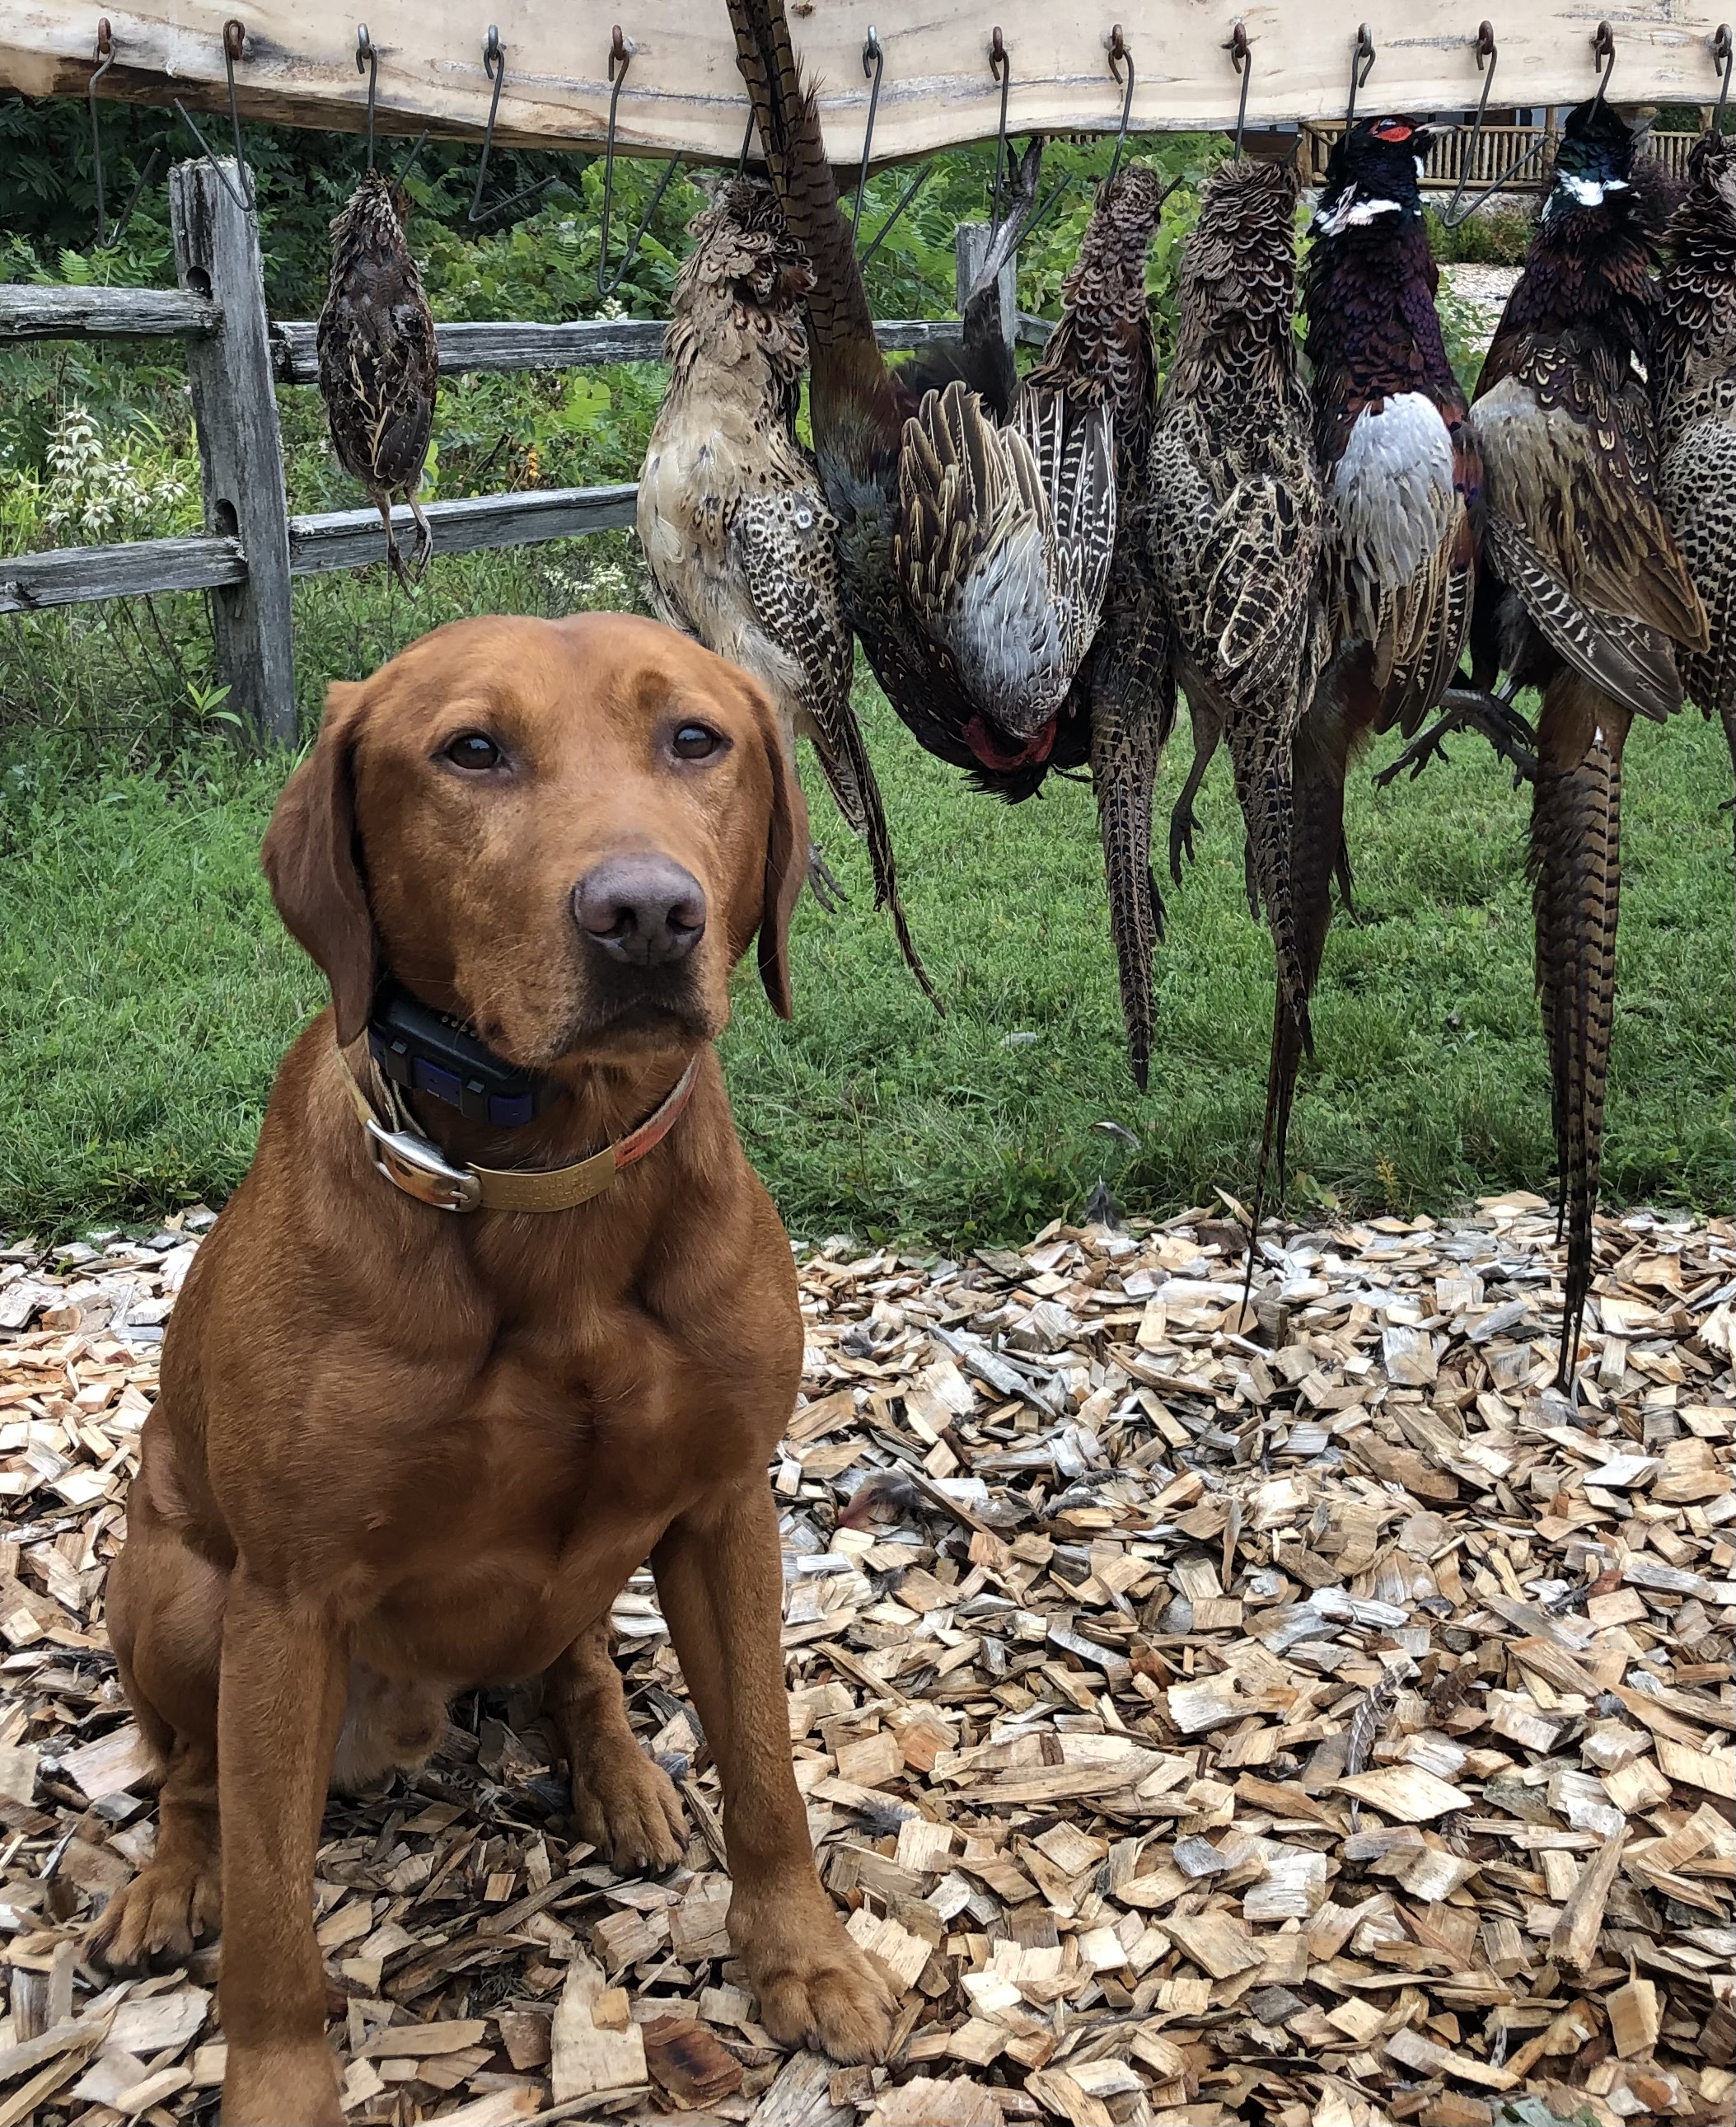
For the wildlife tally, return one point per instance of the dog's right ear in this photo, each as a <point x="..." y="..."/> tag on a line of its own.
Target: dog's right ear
<point x="310" y="862"/>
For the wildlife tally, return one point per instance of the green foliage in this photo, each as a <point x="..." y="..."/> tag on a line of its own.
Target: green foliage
<point x="1497" y="235"/>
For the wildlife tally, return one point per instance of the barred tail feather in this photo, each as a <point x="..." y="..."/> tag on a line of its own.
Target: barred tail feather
<point x="787" y="114"/>
<point x="1576" y="886"/>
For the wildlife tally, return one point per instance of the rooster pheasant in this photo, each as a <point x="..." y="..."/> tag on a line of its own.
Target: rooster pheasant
<point x="1694" y="390"/>
<point x="976" y="518"/>
<point x="1124" y="693"/>
<point x="741" y="548"/>
<point x="1584" y="594"/>
<point x="1398" y="555"/>
<point x="379" y="366"/>
<point x="1237" y="516"/>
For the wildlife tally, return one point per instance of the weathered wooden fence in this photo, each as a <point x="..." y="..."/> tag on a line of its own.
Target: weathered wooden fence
<point x="252" y="548"/>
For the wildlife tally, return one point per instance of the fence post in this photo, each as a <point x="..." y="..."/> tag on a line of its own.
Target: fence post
<point x="971" y="247"/>
<point x="240" y="453"/>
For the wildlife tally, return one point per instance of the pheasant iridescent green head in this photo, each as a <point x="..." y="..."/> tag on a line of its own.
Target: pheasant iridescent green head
<point x="1593" y="163"/>
<point x="1375" y="174"/>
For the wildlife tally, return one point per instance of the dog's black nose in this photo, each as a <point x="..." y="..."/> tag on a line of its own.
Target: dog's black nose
<point x="644" y="910"/>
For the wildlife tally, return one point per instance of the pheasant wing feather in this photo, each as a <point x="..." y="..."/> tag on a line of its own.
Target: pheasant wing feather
<point x="1011" y="598"/>
<point x="1576" y="533"/>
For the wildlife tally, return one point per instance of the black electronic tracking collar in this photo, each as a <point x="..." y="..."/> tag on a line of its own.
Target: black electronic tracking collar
<point x="424" y="1051"/>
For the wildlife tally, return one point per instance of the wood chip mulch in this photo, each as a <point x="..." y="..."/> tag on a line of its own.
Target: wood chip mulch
<point x="1324" y="1725"/>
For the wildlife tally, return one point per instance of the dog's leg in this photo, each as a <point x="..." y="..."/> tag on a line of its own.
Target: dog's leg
<point x="720" y="1580"/>
<point x="621" y="1801"/>
<point x="165" y="1621"/>
<point x="284" y="1672"/>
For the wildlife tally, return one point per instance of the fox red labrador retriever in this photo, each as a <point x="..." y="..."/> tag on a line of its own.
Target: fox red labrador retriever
<point x="499" y="1311"/>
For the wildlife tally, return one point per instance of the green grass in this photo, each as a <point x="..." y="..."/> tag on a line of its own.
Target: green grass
<point x="147" y="992"/>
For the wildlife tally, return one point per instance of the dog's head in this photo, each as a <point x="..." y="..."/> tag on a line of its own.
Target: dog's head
<point x="564" y="832"/>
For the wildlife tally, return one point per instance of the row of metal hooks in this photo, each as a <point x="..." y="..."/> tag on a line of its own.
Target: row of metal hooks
<point x="1239" y="46"/>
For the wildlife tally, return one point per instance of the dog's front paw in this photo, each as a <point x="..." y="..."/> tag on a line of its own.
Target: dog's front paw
<point x="816" y="1988"/>
<point x="626" y="1805"/>
<point x="154" y="1920"/>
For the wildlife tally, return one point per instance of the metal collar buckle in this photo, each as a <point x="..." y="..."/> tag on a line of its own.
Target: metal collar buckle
<point x="416" y="1168"/>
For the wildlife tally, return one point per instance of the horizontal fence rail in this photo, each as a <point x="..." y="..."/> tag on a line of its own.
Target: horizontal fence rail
<point x="30" y="312"/>
<point x="584" y="342"/>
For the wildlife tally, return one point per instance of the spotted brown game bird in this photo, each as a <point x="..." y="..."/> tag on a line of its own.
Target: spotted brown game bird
<point x="1238" y="515"/>
<point x="379" y="366"/>
<point x="976" y="519"/>
<point x="1694" y="390"/>
<point x="1124" y="693"/>
<point x="1583" y="594"/>
<point x="741" y="547"/>
<point x="1398" y="557"/>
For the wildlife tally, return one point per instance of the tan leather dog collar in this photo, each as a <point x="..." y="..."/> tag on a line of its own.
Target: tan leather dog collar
<point x="408" y="1158"/>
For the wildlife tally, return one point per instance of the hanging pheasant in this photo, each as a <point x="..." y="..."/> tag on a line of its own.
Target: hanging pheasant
<point x="741" y="548"/>
<point x="1401" y="475"/>
<point x="1583" y="594"/>
<point x="1693" y="389"/>
<point x="1124" y="693"/>
<point x="379" y="366"/>
<point x="1238" y="515"/>
<point x="976" y="518"/>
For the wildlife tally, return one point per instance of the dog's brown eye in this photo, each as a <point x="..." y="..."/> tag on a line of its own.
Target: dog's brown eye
<point x="696" y="742"/>
<point x="474" y="750"/>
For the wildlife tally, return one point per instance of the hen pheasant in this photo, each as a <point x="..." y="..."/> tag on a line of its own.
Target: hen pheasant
<point x="379" y="365"/>
<point x="1123" y="693"/>
<point x="1584" y="594"/>
<point x="741" y="548"/>
<point x="976" y="519"/>
<point x="1693" y="389"/>
<point x="1237" y="516"/>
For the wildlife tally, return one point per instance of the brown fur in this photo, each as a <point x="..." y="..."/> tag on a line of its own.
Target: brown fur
<point x="399" y="1450"/>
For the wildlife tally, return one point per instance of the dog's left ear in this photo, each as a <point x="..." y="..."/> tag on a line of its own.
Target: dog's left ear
<point x="309" y="861"/>
<point x="786" y="860"/>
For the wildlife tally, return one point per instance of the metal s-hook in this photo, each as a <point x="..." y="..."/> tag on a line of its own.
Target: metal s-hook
<point x="234" y="47"/>
<point x="105" y="55"/>
<point x="1486" y="53"/>
<point x="1603" y="47"/>
<point x="1723" y="55"/>
<point x="1120" y="56"/>
<point x="107" y="238"/>
<point x="1000" y="69"/>
<point x="873" y="64"/>
<point x="620" y="54"/>
<point x="494" y="66"/>
<point x="367" y="62"/>
<point x="1241" y="59"/>
<point x="1362" y="61"/>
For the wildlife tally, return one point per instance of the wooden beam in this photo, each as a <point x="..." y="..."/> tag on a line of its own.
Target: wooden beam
<point x="28" y="312"/>
<point x="683" y="95"/>
<point x="583" y="344"/>
<point x="75" y="575"/>
<point x="351" y="538"/>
